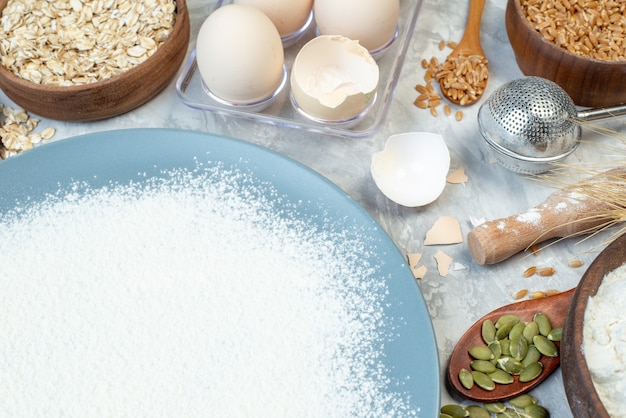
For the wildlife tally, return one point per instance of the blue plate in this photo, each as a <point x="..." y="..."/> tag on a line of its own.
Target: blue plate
<point x="124" y="156"/>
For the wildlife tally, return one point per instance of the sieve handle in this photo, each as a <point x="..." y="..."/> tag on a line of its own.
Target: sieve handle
<point x="589" y="115"/>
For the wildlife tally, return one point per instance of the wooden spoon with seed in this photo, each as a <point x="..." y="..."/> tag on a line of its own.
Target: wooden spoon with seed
<point x="555" y="307"/>
<point x="463" y="76"/>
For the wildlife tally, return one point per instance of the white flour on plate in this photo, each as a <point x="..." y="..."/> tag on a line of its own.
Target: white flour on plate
<point x="604" y="341"/>
<point x="188" y="298"/>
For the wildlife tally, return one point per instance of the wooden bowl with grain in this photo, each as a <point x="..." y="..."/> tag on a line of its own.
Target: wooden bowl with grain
<point x="582" y="396"/>
<point x="592" y="78"/>
<point x="131" y="86"/>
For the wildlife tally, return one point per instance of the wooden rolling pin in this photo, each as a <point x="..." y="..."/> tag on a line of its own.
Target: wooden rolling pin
<point x="563" y="214"/>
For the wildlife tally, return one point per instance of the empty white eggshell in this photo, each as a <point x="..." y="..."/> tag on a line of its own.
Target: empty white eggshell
<point x="411" y="170"/>
<point x="372" y="22"/>
<point x="334" y="79"/>
<point x="240" y="55"/>
<point x="288" y="16"/>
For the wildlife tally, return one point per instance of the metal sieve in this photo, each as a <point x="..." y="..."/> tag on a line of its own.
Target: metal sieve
<point x="531" y="122"/>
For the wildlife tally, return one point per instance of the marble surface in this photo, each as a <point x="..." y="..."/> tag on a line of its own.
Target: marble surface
<point x="470" y="290"/>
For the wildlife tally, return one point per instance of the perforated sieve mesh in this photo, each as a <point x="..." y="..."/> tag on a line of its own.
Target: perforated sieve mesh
<point x="530" y="117"/>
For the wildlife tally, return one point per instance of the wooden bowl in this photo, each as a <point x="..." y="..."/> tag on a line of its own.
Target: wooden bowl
<point x="581" y="393"/>
<point x="107" y="98"/>
<point x="589" y="82"/>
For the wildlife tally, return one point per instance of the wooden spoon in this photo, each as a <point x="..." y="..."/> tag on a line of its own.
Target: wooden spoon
<point x="469" y="49"/>
<point x="555" y="307"/>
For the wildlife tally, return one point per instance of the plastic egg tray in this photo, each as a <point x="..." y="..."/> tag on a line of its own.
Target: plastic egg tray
<point x="281" y="111"/>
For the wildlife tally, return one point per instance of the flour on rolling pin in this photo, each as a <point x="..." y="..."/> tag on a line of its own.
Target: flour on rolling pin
<point x="565" y="213"/>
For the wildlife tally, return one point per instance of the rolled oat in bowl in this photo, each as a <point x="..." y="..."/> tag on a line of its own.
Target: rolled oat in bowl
<point x="74" y="42"/>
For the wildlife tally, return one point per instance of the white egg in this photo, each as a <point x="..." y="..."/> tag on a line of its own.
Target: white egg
<point x="240" y="55"/>
<point x="333" y="78"/>
<point x="288" y="16"/>
<point x="372" y="22"/>
<point x="411" y="170"/>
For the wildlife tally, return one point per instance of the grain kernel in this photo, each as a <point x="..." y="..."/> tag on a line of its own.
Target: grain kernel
<point x="546" y="271"/>
<point x="575" y="263"/>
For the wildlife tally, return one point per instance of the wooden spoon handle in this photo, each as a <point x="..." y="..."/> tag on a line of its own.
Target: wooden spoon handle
<point x="471" y="37"/>
<point x="561" y="215"/>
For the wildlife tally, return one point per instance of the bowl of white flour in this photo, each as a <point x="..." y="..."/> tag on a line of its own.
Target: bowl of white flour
<point x="593" y="347"/>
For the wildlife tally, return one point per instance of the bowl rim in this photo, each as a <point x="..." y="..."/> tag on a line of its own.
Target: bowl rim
<point x="579" y="388"/>
<point x="534" y="33"/>
<point x="177" y="29"/>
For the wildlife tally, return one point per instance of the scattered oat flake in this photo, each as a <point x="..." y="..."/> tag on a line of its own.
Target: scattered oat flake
<point x="458" y="176"/>
<point x="446" y="230"/>
<point x="537" y="295"/>
<point x="552" y="292"/>
<point x="443" y="263"/>
<point x="16" y="131"/>
<point x="520" y="294"/>
<point x="530" y="271"/>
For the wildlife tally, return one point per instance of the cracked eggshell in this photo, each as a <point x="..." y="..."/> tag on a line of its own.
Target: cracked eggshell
<point x="240" y="54"/>
<point x="333" y="78"/>
<point x="372" y="22"/>
<point x="288" y="16"/>
<point x="411" y="170"/>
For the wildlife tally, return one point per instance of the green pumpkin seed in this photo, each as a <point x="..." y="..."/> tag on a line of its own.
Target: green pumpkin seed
<point x="488" y="331"/>
<point x="536" y="411"/>
<point x="518" y="347"/>
<point x="483" y="381"/>
<point x="530" y="331"/>
<point x="505" y="328"/>
<point x="510" y="365"/>
<point x="501" y="377"/>
<point x="466" y="379"/>
<point x="530" y="372"/>
<point x="455" y="411"/>
<point x="496" y="349"/>
<point x="506" y="318"/>
<point x="522" y="401"/>
<point x="555" y="334"/>
<point x="495" y="407"/>
<point x="532" y="356"/>
<point x="545" y="326"/>
<point x="481" y="352"/>
<point x="508" y="413"/>
<point x="445" y="416"/>
<point x="484" y="366"/>
<point x="476" y="411"/>
<point x="545" y="346"/>
<point x="517" y="330"/>
<point x="505" y="346"/>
